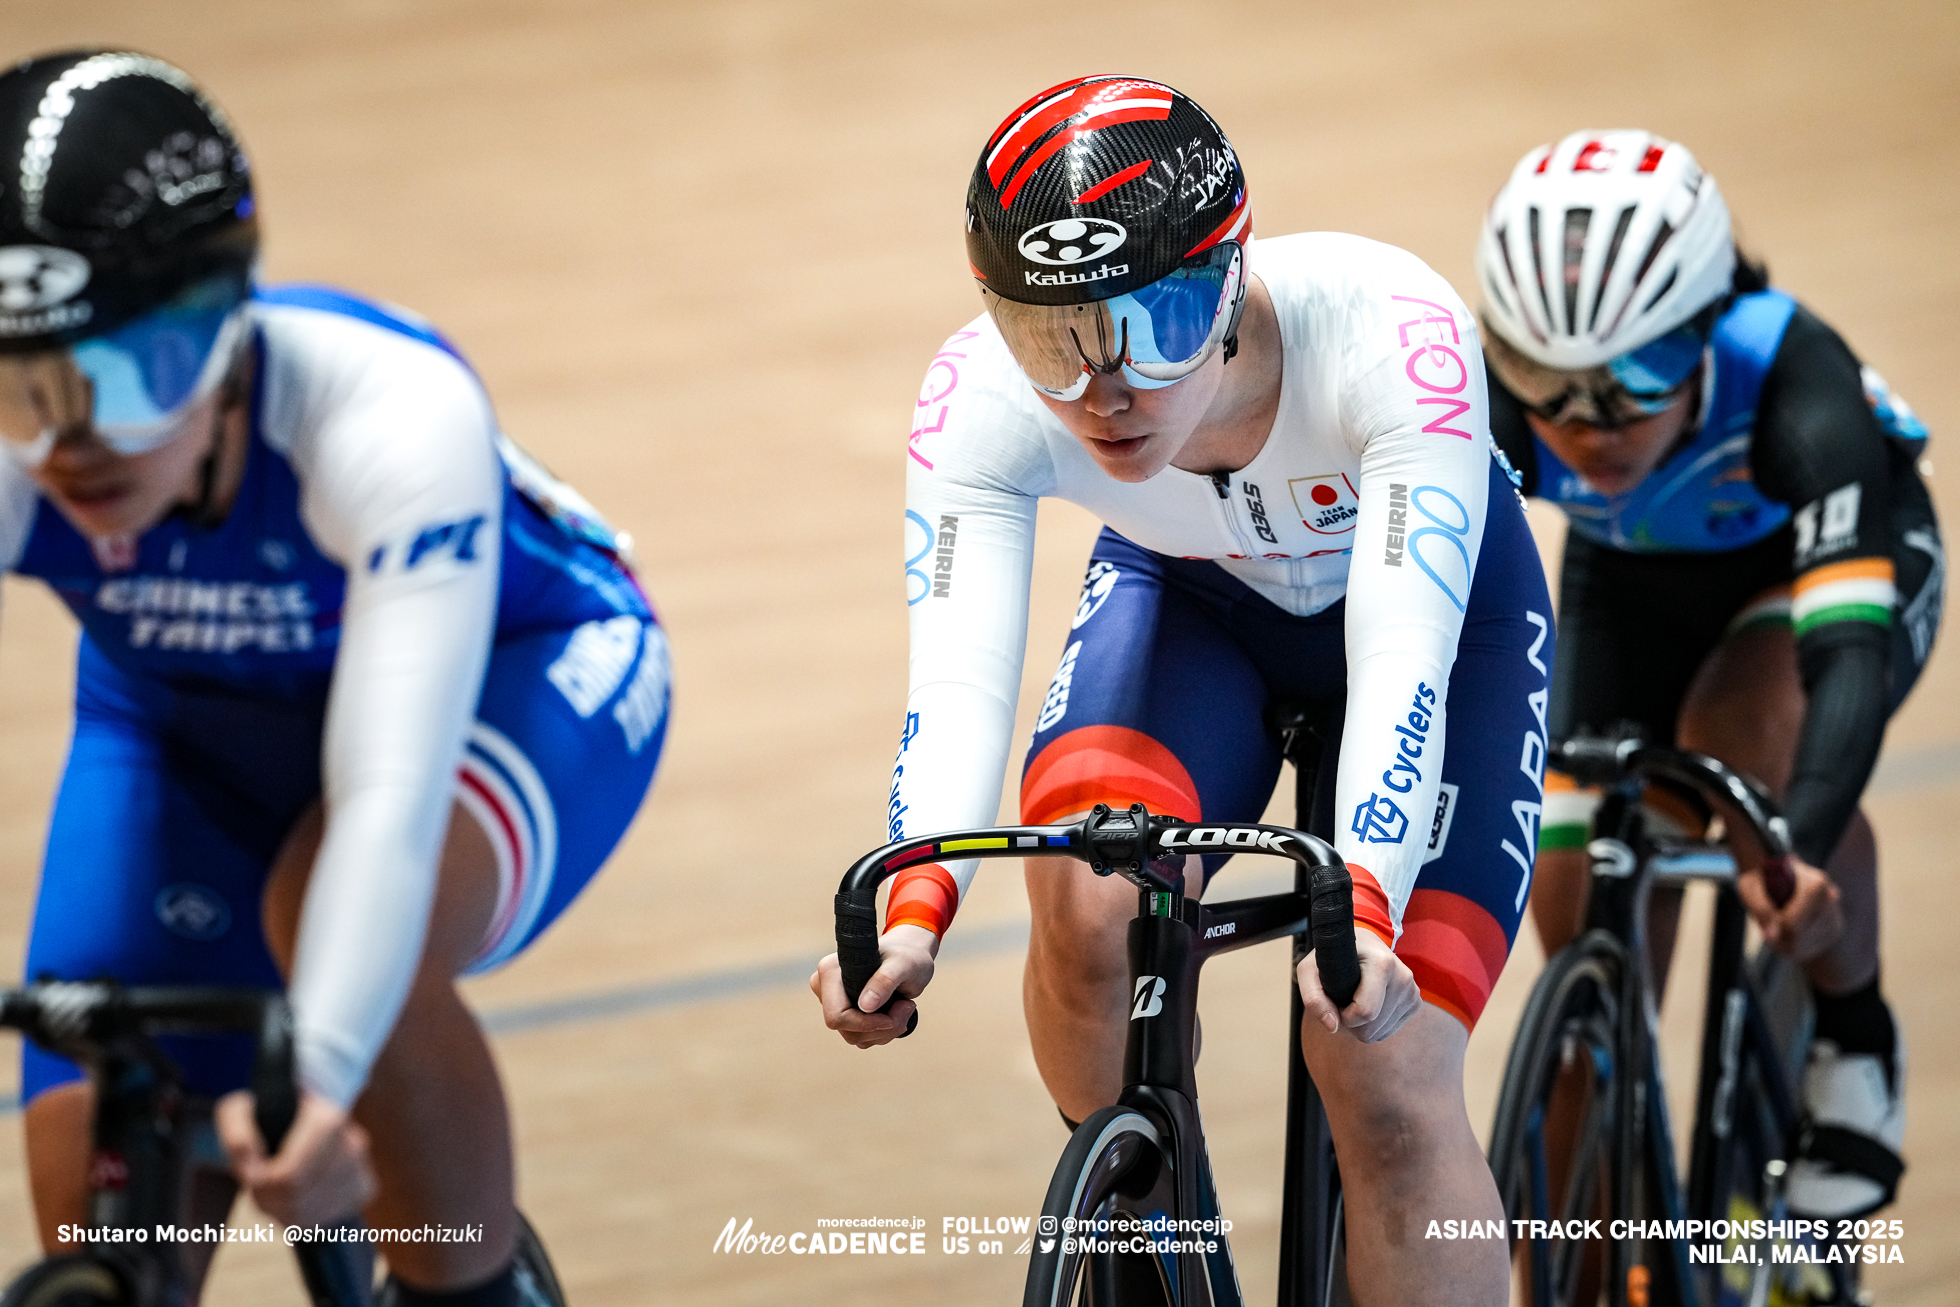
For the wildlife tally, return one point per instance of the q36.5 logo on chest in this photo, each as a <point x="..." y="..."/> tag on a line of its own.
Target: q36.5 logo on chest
<point x="1069" y="241"/>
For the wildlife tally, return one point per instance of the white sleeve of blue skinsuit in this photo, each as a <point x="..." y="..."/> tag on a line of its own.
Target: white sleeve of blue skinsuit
<point x="401" y="485"/>
<point x="971" y="487"/>
<point x="1413" y="395"/>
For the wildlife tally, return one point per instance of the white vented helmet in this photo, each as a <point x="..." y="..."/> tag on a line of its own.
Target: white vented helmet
<point x="1600" y="244"/>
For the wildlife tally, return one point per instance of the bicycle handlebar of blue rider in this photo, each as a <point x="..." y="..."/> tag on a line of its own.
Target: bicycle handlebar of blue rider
<point x="1129" y="844"/>
<point x="74" y="1016"/>
<point x="1607" y="760"/>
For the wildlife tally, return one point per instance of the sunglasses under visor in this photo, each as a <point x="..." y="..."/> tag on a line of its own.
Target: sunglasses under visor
<point x="1156" y="335"/>
<point x="1626" y="388"/>
<point x="131" y="385"/>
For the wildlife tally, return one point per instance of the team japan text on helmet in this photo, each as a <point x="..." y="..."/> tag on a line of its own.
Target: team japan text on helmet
<point x="1107" y="223"/>
<point x="1600" y="260"/>
<point x="127" y="240"/>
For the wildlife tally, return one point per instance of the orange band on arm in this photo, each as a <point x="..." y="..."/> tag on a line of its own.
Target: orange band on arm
<point x="923" y="896"/>
<point x="1370" y="904"/>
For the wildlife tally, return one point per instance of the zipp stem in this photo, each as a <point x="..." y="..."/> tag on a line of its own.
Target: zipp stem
<point x="1120" y="843"/>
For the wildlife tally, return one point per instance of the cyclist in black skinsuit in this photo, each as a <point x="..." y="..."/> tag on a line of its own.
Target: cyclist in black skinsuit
<point x="1753" y="567"/>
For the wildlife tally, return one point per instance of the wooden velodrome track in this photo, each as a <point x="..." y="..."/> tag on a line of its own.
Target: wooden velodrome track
<point x="700" y="254"/>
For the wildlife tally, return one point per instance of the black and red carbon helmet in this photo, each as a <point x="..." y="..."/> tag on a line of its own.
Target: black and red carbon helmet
<point x="1098" y="187"/>
<point x="121" y="184"/>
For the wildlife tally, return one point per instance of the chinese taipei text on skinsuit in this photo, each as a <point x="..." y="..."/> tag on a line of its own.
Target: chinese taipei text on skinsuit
<point x="1753" y="566"/>
<point x="357" y="611"/>
<point x="1334" y="526"/>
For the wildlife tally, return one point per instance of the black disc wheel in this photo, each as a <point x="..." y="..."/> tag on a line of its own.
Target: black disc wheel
<point x="1553" y="1147"/>
<point x="73" y="1281"/>
<point x="1114" y="1174"/>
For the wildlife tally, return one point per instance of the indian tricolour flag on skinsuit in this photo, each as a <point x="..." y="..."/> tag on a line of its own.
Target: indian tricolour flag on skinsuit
<point x="1858" y="590"/>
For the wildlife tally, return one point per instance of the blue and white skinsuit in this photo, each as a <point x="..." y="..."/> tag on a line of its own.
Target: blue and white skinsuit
<point x="399" y="612"/>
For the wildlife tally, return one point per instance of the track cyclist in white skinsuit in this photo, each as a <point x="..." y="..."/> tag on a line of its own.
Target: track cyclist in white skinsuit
<point x="364" y="698"/>
<point x="1288" y="441"/>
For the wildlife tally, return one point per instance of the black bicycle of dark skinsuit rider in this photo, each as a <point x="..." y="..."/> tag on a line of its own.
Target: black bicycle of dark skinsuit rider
<point x="1802" y="473"/>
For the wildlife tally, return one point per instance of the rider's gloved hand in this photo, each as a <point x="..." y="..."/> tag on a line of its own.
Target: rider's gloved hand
<point x="1386" y="998"/>
<point x="906" y="969"/>
<point x="321" y="1173"/>
<point x="1805" y="926"/>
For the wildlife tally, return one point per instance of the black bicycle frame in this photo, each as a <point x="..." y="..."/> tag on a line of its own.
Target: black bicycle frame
<point x="1170" y="940"/>
<point x="1734" y="1021"/>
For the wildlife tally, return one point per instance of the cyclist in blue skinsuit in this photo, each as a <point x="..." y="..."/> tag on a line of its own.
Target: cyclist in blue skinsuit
<point x="1753" y="567"/>
<point x="351" y="665"/>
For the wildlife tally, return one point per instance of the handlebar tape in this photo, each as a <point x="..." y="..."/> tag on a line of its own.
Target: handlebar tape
<point x="275" y="1088"/>
<point x="1330" y="907"/>
<point x="332" y="1272"/>
<point x="857" y="946"/>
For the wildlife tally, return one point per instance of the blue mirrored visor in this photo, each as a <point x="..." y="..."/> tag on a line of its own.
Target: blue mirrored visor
<point x="1621" y="391"/>
<point x="1659" y="366"/>
<point x="1156" y="335"/>
<point x="132" y="384"/>
<point x="148" y="368"/>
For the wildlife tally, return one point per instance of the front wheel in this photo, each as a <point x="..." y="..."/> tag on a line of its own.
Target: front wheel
<point x="1115" y="1172"/>
<point x="1552" y="1149"/>
<point x="76" y="1280"/>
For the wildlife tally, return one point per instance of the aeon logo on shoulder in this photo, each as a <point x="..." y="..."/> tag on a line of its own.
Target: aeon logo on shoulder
<point x="1068" y="241"/>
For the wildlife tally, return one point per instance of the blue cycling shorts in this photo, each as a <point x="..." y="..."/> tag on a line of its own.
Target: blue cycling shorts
<point x="175" y="801"/>
<point x="1161" y="699"/>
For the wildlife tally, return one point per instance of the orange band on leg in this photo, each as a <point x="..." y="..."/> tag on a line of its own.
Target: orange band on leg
<point x="1456" y="950"/>
<point x="923" y="896"/>
<point x="1106" y="764"/>
<point x="1370" y="904"/>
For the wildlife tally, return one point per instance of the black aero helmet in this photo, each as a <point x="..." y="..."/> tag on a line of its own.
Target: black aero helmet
<point x="121" y="187"/>
<point x="1106" y="222"/>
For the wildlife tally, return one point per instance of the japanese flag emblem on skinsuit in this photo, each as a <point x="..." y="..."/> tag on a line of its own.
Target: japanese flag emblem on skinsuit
<point x="1328" y="505"/>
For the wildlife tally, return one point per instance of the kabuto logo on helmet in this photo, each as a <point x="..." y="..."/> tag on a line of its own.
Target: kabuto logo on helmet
<point x="36" y="283"/>
<point x="1068" y="241"/>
